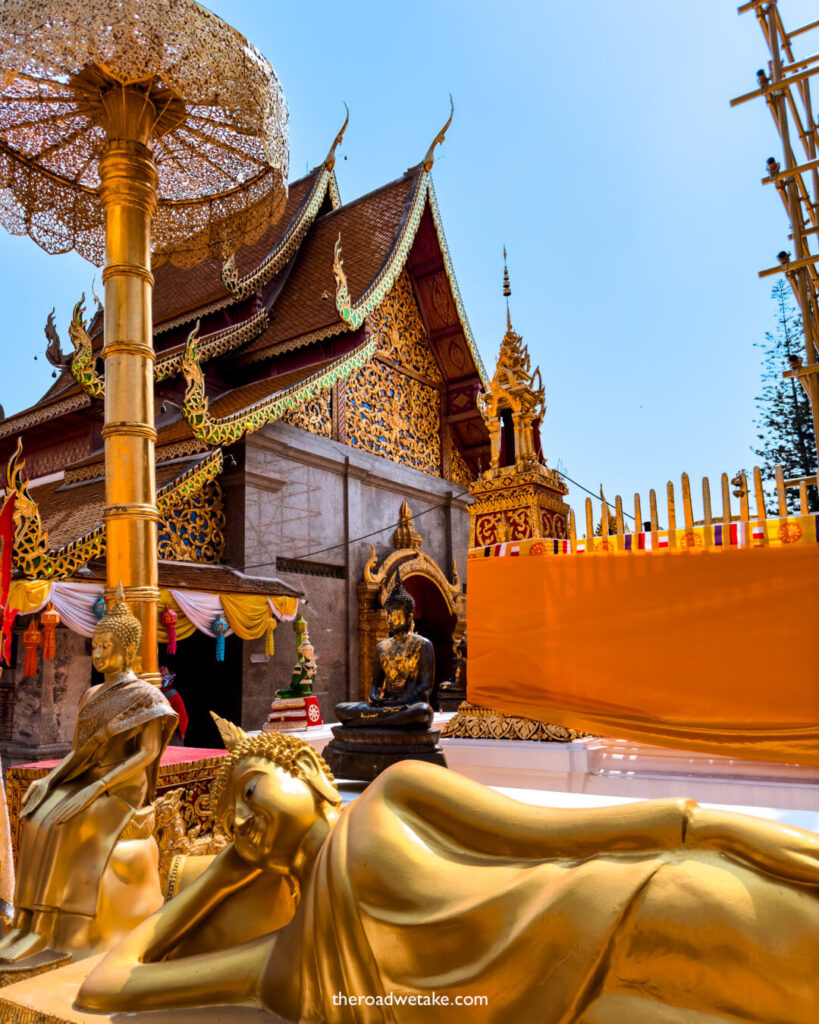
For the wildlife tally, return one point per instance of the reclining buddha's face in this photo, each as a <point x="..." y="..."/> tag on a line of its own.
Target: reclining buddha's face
<point x="268" y="812"/>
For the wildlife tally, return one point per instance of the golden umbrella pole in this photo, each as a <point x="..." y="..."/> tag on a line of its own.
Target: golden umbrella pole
<point x="128" y="182"/>
<point x="132" y="127"/>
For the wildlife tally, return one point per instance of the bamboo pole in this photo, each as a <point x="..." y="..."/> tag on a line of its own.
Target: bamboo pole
<point x="782" y="498"/>
<point x="803" y="498"/>
<point x="652" y="499"/>
<point x="589" y="519"/>
<point x="761" y="511"/>
<point x="744" y="507"/>
<point x="726" y="500"/>
<point x="688" y="510"/>
<point x="672" y="511"/>
<point x="572" y="530"/>
<point x="638" y="515"/>
<point x="706" y="501"/>
<point x="618" y="516"/>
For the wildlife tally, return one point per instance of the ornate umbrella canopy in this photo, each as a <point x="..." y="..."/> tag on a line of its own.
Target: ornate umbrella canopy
<point x="214" y="112"/>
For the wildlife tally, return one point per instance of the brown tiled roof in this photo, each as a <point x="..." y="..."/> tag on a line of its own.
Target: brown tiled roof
<point x="218" y="578"/>
<point x="369" y="228"/>
<point x="71" y="512"/>
<point x="224" y="405"/>
<point x="178" y="291"/>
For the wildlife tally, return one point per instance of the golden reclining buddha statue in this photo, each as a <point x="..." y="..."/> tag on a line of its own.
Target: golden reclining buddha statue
<point x="660" y="912"/>
<point x="87" y="865"/>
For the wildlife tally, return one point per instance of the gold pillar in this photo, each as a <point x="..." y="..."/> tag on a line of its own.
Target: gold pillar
<point x="128" y="183"/>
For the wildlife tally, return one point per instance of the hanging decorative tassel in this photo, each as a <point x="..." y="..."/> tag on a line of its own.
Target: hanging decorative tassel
<point x="32" y="638"/>
<point x="269" y="645"/>
<point x="169" y="619"/>
<point x="220" y="627"/>
<point x="9" y="615"/>
<point x="100" y="607"/>
<point x="49" y="620"/>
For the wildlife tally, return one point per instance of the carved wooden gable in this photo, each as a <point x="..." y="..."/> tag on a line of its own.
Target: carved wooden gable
<point x="393" y="403"/>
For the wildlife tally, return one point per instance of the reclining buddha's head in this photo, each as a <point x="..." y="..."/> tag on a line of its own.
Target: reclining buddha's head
<point x="270" y="791"/>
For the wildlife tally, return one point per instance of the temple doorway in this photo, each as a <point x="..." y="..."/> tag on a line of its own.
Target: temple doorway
<point x="435" y="621"/>
<point x="206" y="685"/>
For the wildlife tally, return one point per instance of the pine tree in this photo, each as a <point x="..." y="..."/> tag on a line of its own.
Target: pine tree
<point x="785" y="424"/>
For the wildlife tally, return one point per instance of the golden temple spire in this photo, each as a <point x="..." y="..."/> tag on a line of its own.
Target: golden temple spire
<point x="330" y="159"/>
<point x="507" y="290"/>
<point x="429" y="159"/>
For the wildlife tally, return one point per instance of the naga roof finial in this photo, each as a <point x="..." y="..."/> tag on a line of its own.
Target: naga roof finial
<point x="330" y="159"/>
<point x="429" y="159"/>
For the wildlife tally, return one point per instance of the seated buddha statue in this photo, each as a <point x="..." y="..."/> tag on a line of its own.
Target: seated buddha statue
<point x="87" y="863"/>
<point x="430" y="882"/>
<point x="395" y="722"/>
<point x="403" y="671"/>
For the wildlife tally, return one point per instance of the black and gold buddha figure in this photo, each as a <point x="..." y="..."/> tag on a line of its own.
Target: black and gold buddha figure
<point x="394" y="723"/>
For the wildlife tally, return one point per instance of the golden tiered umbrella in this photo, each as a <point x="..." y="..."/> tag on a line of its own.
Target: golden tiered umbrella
<point x="132" y="129"/>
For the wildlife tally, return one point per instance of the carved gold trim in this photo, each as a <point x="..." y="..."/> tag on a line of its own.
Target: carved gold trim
<point x="477" y="723"/>
<point x="20" y="422"/>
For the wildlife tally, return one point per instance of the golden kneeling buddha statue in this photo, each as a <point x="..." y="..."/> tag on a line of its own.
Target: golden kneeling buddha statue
<point x="431" y="883"/>
<point x="87" y="863"/>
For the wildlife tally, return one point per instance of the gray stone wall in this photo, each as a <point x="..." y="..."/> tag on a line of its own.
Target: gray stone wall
<point x="315" y="500"/>
<point x="45" y="705"/>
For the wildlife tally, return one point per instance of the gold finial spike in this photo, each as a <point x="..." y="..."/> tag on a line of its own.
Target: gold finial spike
<point x="782" y="500"/>
<point x="618" y="515"/>
<point x="429" y="159"/>
<point x="652" y="506"/>
<point x="706" y="501"/>
<point x="572" y="529"/>
<point x="638" y="514"/>
<point x="726" y="500"/>
<point x="672" y="510"/>
<point x="330" y="159"/>
<point x="507" y="293"/>
<point x="759" y="491"/>
<point x="688" y="510"/>
<point x="589" y="519"/>
<point x="803" y="498"/>
<point x="604" y="514"/>
<point x="232" y="735"/>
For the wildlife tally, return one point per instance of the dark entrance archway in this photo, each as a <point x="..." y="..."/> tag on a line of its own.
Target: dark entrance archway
<point x="433" y="620"/>
<point x="206" y="685"/>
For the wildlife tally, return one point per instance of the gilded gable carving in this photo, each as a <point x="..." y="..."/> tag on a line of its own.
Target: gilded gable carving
<point x="400" y="331"/>
<point x="195" y="531"/>
<point x="395" y="416"/>
<point x="314" y="415"/>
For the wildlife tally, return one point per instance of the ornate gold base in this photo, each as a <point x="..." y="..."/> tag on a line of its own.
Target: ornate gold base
<point x="476" y="723"/>
<point x="10" y="974"/>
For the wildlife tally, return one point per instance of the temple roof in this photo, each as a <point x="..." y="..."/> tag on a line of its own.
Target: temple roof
<point x="192" y="576"/>
<point x="277" y="304"/>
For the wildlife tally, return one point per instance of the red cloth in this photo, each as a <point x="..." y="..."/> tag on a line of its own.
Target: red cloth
<point x="176" y="702"/>
<point x="172" y="755"/>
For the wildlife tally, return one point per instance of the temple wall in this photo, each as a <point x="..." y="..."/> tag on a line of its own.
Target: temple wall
<point x="304" y="494"/>
<point x="45" y="705"/>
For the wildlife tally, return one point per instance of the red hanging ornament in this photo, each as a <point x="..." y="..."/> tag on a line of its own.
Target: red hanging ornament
<point x="169" y="619"/>
<point x="49" y="620"/>
<point x="32" y="638"/>
<point x="8" y="617"/>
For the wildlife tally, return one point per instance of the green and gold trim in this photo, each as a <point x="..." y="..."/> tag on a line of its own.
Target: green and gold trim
<point x="233" y="427"/>
<point x="32" y="554"/>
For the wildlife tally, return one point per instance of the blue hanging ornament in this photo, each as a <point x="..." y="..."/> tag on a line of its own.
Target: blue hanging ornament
<point x="100" y="607"/>
<point x="220" y="627"/>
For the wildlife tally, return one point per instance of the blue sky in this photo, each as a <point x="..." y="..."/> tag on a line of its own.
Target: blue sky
<point x="596" y="141"/>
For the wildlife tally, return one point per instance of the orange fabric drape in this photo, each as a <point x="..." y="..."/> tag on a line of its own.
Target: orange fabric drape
<point x="712" y="650"/>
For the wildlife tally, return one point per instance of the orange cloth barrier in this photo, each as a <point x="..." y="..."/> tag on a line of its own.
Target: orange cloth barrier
<point x="712" y="650"/>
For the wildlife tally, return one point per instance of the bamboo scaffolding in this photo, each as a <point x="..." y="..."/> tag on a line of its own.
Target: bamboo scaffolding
<point x="786" y="88"/>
